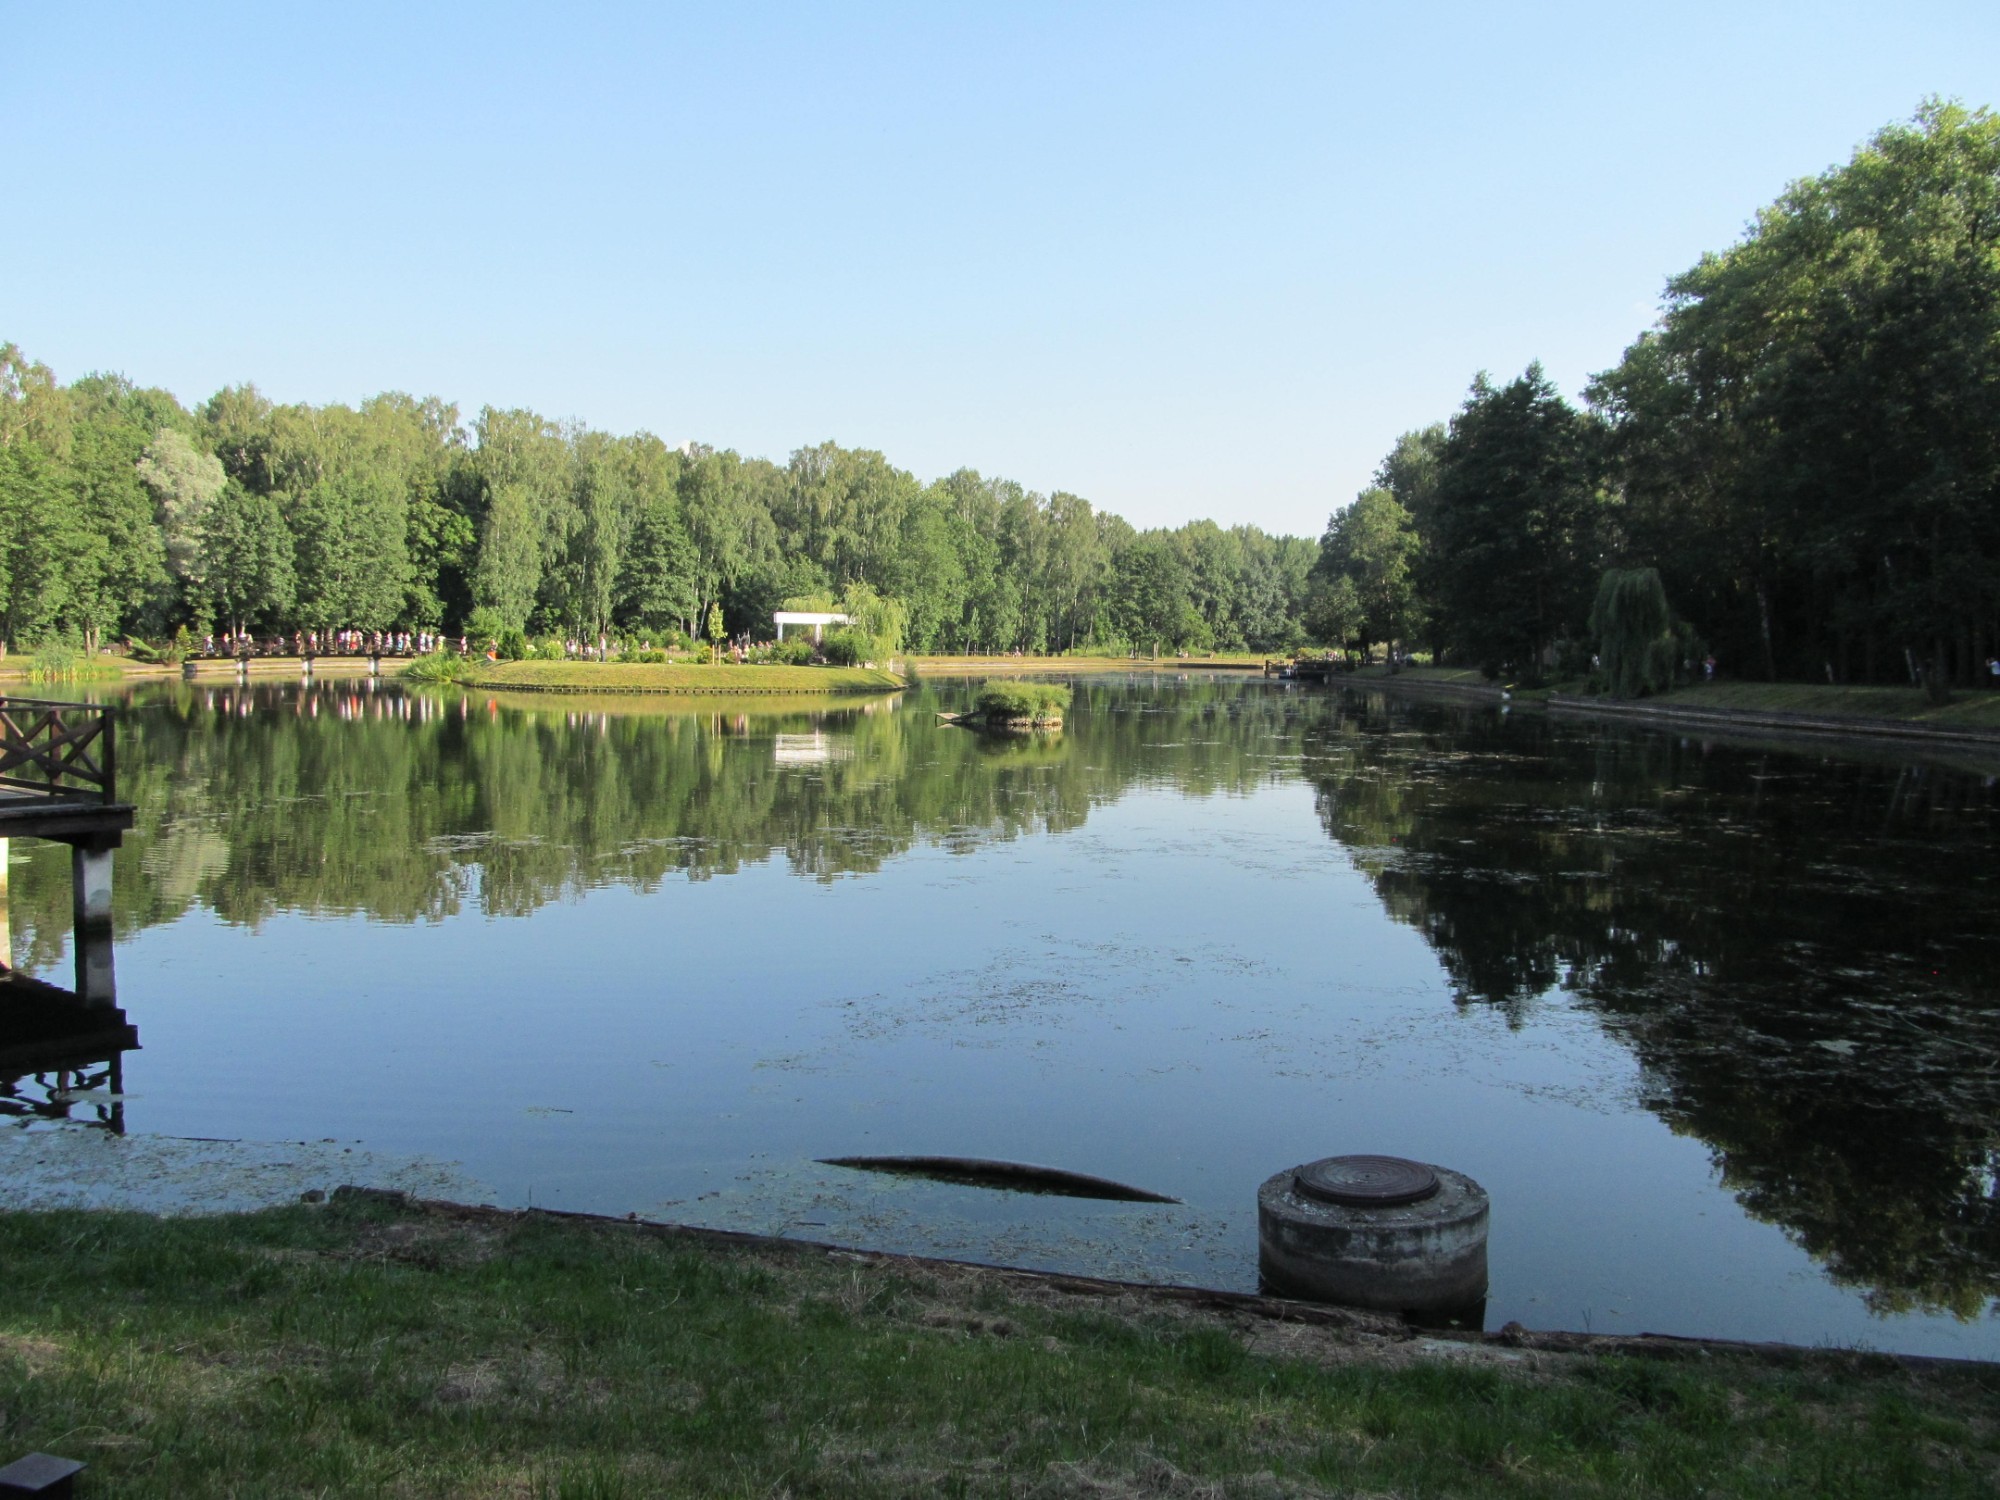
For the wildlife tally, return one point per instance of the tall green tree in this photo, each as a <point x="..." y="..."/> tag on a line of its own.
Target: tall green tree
<point x="52" y="560"/>
<point x="846" y="509"/>
<point x="1517" y="525"/>
<point x="34" y="407"/>
<point x="655" y="589"/>
<point x="581" y="588"/>
<point x="1152" y="606"/>
<point x="1810" y="440"/>
<point x="247" y="563"/>
<point x="184" y="480"/>
<point x="1075" y="568"/>
<point x="352" y="565"/>
<point x="929" y="571"/>
<point x="122" y="584"/>
<point x="523" y="466"/>
<point x="1373" y="545"/>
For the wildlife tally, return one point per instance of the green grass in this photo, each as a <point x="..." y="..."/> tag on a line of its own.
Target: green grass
<point x="61" y="663"/>
<point x="357" y="1349"/>
<point x="622" y="677"/>
<point x="440" y="667"/>
<point x="1080" y="662"/>
<point x="1968" y="709"/>
<point x="1451" y="676"/>
<point x="1017" y="702"/>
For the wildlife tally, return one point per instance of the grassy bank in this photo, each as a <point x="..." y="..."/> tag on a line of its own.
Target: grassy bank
<point x="361" y="1348"/>
<point x="1017" y="666"/>
<point x="765" y="706"/>
<point x="1968" y="709"/>
<point x="1908" y="705"/>
<point x="56" y="668"/>
<point x="622" y="677"/>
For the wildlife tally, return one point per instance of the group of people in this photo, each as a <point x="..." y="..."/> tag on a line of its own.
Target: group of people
<point x="333" y="643"/>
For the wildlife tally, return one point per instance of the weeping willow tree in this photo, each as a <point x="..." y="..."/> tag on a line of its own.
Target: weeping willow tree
<point x="876" y="622"/>
<point x="1638" y="638"/>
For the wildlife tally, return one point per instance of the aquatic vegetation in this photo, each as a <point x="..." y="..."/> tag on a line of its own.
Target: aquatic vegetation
<point x="440" y="666"/>
<point x="60" y="661"/>
<point x="1022" y="702"/>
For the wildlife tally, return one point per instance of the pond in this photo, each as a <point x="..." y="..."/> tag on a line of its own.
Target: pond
<point x="1714" y="1022"/>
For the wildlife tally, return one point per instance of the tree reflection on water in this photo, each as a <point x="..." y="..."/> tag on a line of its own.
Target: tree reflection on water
<point x="1797" y="945"/>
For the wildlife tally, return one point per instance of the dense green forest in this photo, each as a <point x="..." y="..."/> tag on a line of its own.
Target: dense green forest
<point x="124" y="513"/>
<point x="1797" y="468"/>
<point x="1805" y="450"/>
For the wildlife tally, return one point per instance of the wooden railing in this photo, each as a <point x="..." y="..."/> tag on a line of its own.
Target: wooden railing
<point x="61" y="750"/>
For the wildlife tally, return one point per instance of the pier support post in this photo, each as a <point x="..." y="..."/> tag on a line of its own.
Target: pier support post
<point x="90" y="869"/>
<point x="6" y="922"/>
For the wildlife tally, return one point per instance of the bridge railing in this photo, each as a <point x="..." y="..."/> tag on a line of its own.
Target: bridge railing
<point x="62" y="750"/>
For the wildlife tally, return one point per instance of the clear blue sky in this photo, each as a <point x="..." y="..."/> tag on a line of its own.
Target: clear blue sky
<point x="1183" y="260"/>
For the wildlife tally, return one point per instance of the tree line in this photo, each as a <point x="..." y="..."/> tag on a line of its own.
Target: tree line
<point x="1797" y="469"/>
<point x="124" y="513"/>
<point x="1800" y="461"/>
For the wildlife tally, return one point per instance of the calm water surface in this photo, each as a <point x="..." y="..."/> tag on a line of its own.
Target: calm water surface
<point x="1715" y="1023"/>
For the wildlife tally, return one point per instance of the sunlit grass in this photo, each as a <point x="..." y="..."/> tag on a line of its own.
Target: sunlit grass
<point x="354" y="1350"/>
<point x="625" y="677"/>
<point x="64" y="663"/>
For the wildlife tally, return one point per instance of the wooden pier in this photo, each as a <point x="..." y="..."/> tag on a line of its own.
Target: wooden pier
<point x="59" y="781"/>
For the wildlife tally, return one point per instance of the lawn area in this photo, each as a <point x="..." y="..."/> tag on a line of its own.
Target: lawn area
<point x="626" y="677"/>
<point x="366" y="1348"/>
<point x="1021" y="666"/>
<point x="1967" y="710"/>
<point x="1447" y="676"/>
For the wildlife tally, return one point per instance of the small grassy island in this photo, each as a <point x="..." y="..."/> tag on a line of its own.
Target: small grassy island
<point x="649" y="677"/>
<point x="1016" y="705"/>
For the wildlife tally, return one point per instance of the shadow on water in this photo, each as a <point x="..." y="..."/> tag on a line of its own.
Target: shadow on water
<point x="1797" y="946"/>
<point x="61" y="1060"/>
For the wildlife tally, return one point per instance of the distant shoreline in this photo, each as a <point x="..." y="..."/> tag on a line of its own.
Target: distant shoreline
<point x="637" y="677"/>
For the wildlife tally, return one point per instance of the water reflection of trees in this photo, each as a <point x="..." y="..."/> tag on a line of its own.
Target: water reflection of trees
<point x="342" y="799"/>
<point x="1798" y="948"/>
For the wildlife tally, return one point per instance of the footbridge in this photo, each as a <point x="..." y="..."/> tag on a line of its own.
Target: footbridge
<point x="59" y="781"/>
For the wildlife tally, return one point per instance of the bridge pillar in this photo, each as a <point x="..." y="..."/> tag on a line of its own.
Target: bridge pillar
<point x="90" y="871"/>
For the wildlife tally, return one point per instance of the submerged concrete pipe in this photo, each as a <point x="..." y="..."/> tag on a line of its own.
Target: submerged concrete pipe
<point x="1374" y="1231"/>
